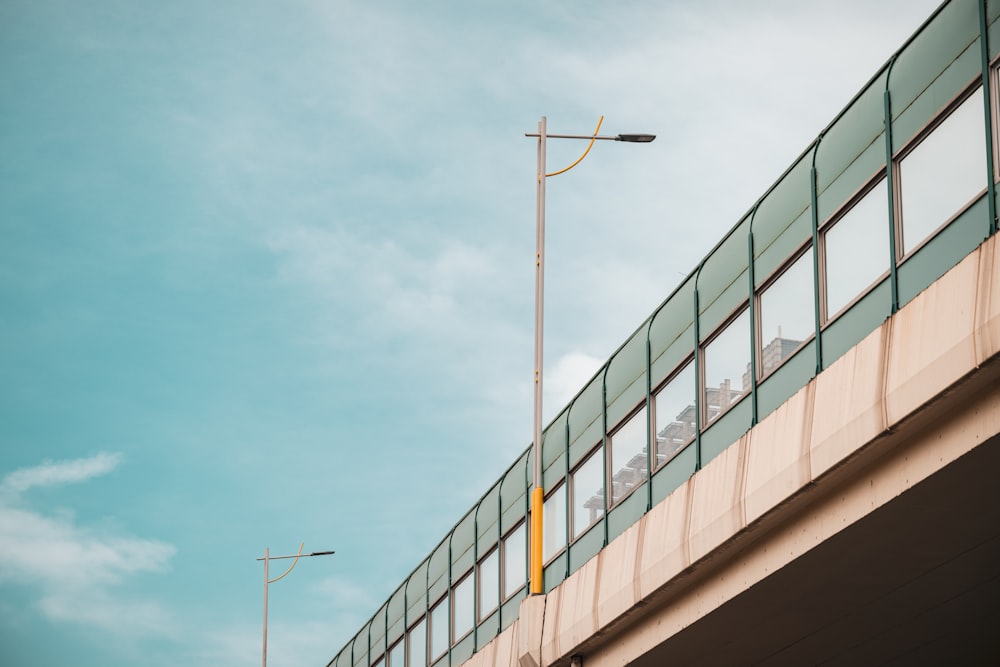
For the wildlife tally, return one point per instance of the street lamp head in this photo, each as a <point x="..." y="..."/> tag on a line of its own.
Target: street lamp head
<point x="636" y="138"/>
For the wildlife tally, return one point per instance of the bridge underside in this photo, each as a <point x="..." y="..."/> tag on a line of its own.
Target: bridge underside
<point x="916" y="582"/>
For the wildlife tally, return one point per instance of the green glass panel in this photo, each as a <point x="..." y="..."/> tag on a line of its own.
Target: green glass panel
<point x="462" y="539"/>
<point x="931" y="52"/>
<point x="948" y="248"/>
<point x="781" y="385"/>
<point x="554" y="445"/>
<point x="857" y="322"/>
<point x="783" y="221"/>
<point x="590" y="422"/>
<point x="856" y="132"/>
<point x="586" y="546"/>
<point x="626" y="514"/>
<point x="722" y="282"/>
<point x="554" y="573"/>
<point x="725" y="431"/>
<point x="416" y="593"/>
<point x="676" y="471"/>
<point x="626" y="377"/>
<point x="869" y="166"/>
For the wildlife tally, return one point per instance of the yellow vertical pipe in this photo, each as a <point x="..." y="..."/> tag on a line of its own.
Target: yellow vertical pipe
<point x="537" y="503"/>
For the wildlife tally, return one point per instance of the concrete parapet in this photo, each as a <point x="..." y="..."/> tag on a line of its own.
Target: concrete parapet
<point x="931" y="340"/>
<point x="847" y="403"/>
<point x="987" y="333"/>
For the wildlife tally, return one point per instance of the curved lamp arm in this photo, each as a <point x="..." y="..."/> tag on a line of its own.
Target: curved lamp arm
<point x="297" y="556"/>
<point x="580" y="159"/>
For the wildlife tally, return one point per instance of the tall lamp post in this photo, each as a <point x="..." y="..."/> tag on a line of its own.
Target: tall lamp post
<point x="538" y="493"/>
<point x="268" y="558"/>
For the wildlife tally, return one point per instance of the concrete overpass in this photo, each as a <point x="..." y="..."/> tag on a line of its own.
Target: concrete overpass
<point x="793" y="459"/>
<point x="858" y="524"/>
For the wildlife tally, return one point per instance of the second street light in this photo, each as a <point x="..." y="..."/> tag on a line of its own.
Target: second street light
<point x="267" y="582"/>
<point x="538" y="493"/>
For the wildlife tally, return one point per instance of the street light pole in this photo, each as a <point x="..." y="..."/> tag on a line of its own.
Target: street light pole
<point x="267" y="558"/>
<point x="538" y="492"/>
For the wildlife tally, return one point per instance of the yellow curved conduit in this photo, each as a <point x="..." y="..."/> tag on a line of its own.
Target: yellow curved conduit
<point x="271" y="581"/>
<point x="580" y="159"/>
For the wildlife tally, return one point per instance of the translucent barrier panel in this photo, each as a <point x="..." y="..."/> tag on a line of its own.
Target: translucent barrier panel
<point x="379" y="662"/>
<point x="625" y="381"/>
<point x="463" y="601"/>
<point x="360" y="653"/>
<point x="487" y="519"/>
<point x="674" y="411"/>
<point x="489" y="583"/>
<point x="940" y="61"/>
<point x="992" y="13"/>
<point x="586" y="425"/>
<point x="727" y="367"/>
<point x="416" y="644"/>
<point x="376" y="632"/>
<point x="554" y="524"/>
<point x="416" y="592"/>
<point x="629" y="467"/>
<point x="439" y="629"/>
<point x="588" y="492"/>
<point x="722" y="281"/>
<point x="787" y="313"/>
<point x="462" y="540"/>
<point x="397" y="655"/>
<point x="671" y="331"/>
<point x="554" y="442"/>
<point x="783" y="221"/>
<point x="394" y="613"/>
<point x="856" y="249"/>
<point x="515" y="553"/>
<point x="852" y="149"/>
<point x="437" y="577"/>
<point x="944" y="172"/>
<point x="514" y="493"/>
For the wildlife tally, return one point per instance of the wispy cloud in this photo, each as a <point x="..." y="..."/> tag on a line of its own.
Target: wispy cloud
<point x="51" y="473"/>
<point x="76" y="569"/>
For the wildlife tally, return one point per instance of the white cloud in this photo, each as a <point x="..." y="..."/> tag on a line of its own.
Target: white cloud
<point x="73" y="568"/>
<point x="51" y="473"/>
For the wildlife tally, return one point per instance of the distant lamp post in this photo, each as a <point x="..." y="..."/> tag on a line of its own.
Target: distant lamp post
<point x="538" y="493"/>
<point x="267" y="558"/>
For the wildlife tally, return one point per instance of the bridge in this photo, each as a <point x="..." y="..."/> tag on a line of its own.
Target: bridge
<point x="849" y="527"/>
<point x="794" y="460"/>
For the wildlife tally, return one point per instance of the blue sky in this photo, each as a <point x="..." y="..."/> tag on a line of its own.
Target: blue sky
<point x="266" y="276"/>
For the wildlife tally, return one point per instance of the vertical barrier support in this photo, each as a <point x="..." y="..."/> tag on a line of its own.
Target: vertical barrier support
<point x="890" y="176"/>
<point x="501" y="556"/>
<point x="527" y="526"/>
<point x="566" y="572"/>
<point x="752" y="305"/>
<point x="427" y="611"/>
<point x="475" y="576"/>
<point x="650" y="421"/>
<point x="984" y="47"/>
<point x="698" y="379"/>
<point x="814" y="203"/>
<point x="606" y="451"/>
<point x="449" y="596"/>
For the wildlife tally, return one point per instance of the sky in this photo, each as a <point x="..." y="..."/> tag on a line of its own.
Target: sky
<point x="267" y="277"/>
